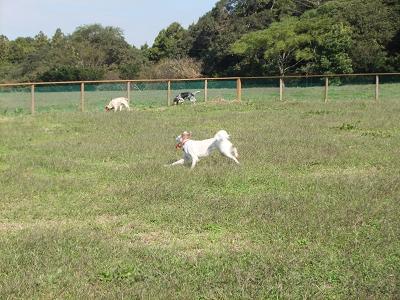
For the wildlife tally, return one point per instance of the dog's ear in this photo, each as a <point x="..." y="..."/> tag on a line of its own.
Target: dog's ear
<point x="190" y="134"/>
<point x="185" y="134"/>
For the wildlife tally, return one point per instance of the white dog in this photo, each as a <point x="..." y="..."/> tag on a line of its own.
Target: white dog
<point x="117" y="104"/>
<point x="193" y="150"/>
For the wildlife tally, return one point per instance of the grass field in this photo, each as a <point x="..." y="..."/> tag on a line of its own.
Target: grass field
<point x="88" y="210"/>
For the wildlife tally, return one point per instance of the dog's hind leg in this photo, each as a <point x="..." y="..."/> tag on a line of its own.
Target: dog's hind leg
<point x="233" y="158"/>
<point x="235" y="152"/>
<point x="232" y="155"/>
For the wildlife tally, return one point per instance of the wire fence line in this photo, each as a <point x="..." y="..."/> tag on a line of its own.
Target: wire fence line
<point x="17" y="98"/>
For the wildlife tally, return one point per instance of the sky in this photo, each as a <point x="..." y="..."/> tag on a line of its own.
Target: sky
<point x="140" y="20"/>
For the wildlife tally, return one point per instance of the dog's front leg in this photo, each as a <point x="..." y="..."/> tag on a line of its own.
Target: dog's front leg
<point x="178" y="162"/>
<point x="194" y="161"/>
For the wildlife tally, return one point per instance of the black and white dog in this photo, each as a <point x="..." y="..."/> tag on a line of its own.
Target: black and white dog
<point x="181" y="97"/>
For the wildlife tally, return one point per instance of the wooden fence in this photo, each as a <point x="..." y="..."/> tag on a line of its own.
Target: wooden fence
<point x="168" y="96"/>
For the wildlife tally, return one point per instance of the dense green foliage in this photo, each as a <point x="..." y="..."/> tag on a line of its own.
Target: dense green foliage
<point x="237" y="37"/>
<point x="317" y="44"/>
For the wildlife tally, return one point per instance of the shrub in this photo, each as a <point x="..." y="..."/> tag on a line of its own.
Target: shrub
<point x="173" y="68"/>
<point x="68" y="73"/>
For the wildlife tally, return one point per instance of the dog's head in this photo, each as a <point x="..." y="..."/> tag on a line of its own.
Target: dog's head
<point x="182" y="139"/>
<point x="109" y="106"/>
<point x="178" y="100"/>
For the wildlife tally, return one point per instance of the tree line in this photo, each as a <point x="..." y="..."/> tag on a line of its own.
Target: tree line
<point x="235" y="38"/>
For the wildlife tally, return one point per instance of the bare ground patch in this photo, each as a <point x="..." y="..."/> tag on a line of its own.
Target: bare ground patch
<point x="344" y="172"/>
<point x="134" y="234"/>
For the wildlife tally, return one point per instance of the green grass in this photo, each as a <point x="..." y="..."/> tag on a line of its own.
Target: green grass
<point x="66" y="98"/>
<point x="87" y="209"/>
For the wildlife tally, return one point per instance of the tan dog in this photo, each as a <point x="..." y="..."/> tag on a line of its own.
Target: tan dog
<point x="117" y="104"/>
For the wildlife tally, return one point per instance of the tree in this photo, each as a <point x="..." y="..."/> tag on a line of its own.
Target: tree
<point x="212" y="37"/>
<point x="35" y="62"/>
<point x="282" y="44"/>
<point x="67" y="73"/>
<point x="58" y="38"/>
<point x="331" y="44"/>
<point x="134" y="60"/>
<point x="62" y="52"/>
<point x="270" y="36"/>
<point x="4" y="49"/>
<point x="20" y="48"/>
<point x="332" y="51"/>
<point x="308" y="44"/>
<point x="97" y="45"/>
<point x="170" y="43"/>
<point x="41" y="41"/>
<point x="373" y="26"/>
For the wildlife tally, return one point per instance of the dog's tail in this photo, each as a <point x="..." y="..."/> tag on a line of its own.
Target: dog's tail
<point x="221" y="135"/>
<point x="196" y="92"/>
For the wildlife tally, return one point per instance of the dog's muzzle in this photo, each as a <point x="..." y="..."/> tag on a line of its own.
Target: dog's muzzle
<point x="180" y="144"/>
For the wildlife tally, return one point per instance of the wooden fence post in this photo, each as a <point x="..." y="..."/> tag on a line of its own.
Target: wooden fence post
<point x="239" y="89"/>
<point x="128" y="90"/>
<point x="205" y="90"/>
<point x="377" y="88"/>
<point x="82" y="97"/>
<point x="326" y="89"/>
<point x="169" y="93"/>
<point x="281" y="87"/>
<point x="32" y="99"/>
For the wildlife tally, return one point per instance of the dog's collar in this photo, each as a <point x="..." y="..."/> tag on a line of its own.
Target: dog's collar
<point x="180" y="145"/>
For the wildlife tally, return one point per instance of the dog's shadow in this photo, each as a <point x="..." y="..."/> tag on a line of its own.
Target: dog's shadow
<point x="214" y="160"/>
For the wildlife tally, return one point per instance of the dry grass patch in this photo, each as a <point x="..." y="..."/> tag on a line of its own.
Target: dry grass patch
<point x="351" y="172"/>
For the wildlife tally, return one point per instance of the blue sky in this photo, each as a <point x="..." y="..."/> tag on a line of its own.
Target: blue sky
<point x="140" y="20"/>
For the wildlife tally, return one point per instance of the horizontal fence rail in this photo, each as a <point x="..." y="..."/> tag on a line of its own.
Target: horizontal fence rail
<point x="94" y="95"/>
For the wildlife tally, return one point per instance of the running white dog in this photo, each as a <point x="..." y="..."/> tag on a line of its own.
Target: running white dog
<point x="117" y="104"/>
<point x="193" y="149"/>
